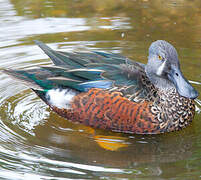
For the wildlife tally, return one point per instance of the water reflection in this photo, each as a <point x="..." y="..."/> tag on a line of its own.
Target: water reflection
<point x="147" y="17"/>
<point x="116" y="150"/>
<point x="37" y="144"/>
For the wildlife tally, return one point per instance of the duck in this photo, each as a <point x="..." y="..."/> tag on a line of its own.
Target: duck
<point x="111" y="92"/>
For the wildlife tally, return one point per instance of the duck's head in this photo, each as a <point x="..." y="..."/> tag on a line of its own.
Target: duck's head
<point x="163" y="69"/>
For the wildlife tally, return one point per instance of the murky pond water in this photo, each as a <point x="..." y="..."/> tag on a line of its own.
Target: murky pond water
<point x="35" y="143"/>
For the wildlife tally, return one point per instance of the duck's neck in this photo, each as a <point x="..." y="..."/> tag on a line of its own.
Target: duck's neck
<point x="159" y="82"/>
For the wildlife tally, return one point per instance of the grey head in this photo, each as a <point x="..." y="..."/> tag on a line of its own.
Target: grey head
<point x="163" y="69"/>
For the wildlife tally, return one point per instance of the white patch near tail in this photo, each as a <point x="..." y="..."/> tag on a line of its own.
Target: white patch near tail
<point x="60" y="98"/>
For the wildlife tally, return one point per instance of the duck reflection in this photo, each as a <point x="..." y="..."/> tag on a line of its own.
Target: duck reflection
<point x="92" y="146"/>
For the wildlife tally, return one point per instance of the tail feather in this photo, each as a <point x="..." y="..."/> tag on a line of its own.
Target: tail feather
<point x="58" y="58"/>
<point x="41" y="94"/>
<point x="34" y="78"/>
<point x="82" y="59"/>
<point x="18" y="76"/>
<point x="50" y="53"/>
<point x="75" y="79"/>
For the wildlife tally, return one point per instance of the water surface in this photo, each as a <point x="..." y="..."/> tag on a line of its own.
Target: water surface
<point x="35" y="143"/>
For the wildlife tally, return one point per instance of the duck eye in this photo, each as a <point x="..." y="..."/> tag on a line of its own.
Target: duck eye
<point x="160" y="57"/>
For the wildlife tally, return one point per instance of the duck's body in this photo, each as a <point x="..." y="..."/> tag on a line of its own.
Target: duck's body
<point x="112" y="111"/>
<point x="111" y="92"/>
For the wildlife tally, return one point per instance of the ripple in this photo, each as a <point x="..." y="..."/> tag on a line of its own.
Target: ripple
<point x="24" y="110"/>
<point x="36" y="143"/>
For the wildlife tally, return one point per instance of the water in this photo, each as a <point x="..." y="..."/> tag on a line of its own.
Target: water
<point x="35" y="143"/>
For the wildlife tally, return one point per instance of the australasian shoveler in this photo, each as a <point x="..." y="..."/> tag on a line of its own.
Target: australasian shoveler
<point x="109" y="91"/>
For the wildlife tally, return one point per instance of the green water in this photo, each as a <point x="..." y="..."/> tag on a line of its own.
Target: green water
<point x="35" y="143"/>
